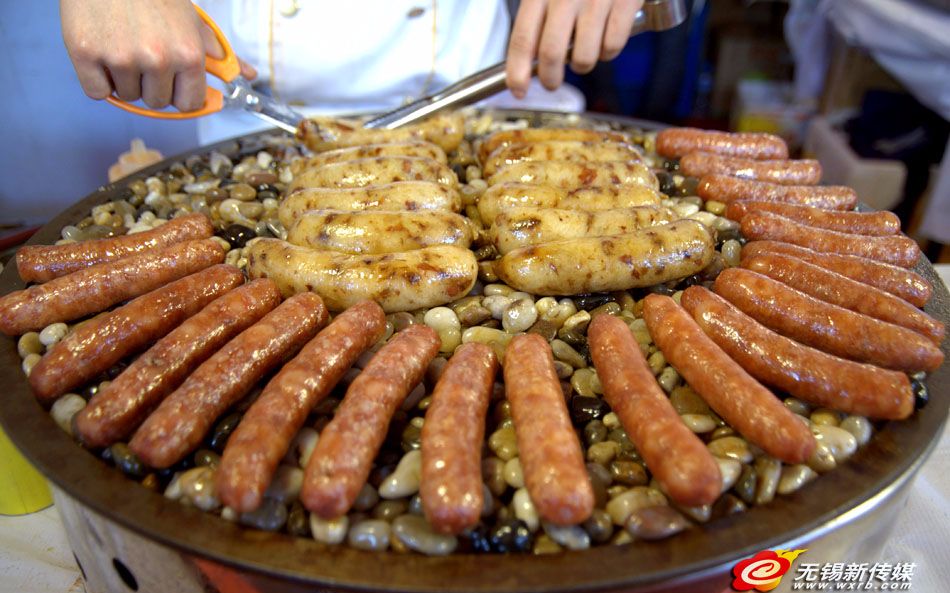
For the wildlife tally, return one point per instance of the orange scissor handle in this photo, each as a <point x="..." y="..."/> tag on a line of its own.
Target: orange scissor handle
<point x="227" y="69"/>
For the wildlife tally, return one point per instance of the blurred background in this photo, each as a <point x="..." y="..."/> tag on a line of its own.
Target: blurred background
<point x="862" y="85"/>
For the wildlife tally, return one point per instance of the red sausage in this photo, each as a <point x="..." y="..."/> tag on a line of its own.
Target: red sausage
<point x="742" y="401"/>
<point x="785" y="172"/>
<point x="42" y="263"/>
<point x="897" y="250"/>
<point x="839" y="290"/>
<point x="452" y="439"/>
<point x="677" y="142"/>
<point x="179" y="423"/>
<point x="344" y="455"/>
<point x="93" y="347"/>
<point x="726" y="188"/>
<point x="116" y="411"/>
<point x="808" y="374"/>
<point x="827" y="327"/>
<point x="676" y="457"/>
<point x="859" y="223"/>
<point x="262" y="438"/>
<point x="98" y="287"/>
<point x="906" y="284"/>
<point x="551" y="456"/>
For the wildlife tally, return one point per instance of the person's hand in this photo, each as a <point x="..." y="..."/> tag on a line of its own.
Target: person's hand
<point x="151" y="50"/>
<point x="544" y="28"/>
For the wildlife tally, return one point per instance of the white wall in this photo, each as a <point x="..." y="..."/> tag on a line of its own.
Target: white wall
<point x="55" y="143"/>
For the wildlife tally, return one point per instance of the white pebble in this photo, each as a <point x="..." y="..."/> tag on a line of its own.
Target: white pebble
<point x="53" y="333"/>
<point x="29" y="362"/>
<point x="416" y="533"/>
<point x="622" y="506"/>
<point x="513" y="473"/>
<point x="572" y="537"/>
<point x="404" y="481"/>
<point x="706" y="218"/>
<point x="840" y="442"/>
<point x="304" y="444"/>
<point x="371" y="535"/>
<point x="860" y="427"/>
<point x="65" y="408"/>
<point x="524" y="509"/>
<point x="684" y="209"/>
<point x="446" y="323"/>
<point x="730" y="470"/>
<point x="329" y="531"/>
<point x="497" y="305"/>
<point x="519" y="316"/>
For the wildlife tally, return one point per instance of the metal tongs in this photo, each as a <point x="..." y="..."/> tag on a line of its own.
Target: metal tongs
<point x="656" y="15"/>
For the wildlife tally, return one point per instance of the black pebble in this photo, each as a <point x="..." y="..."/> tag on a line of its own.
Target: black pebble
<point x="666" y="183"/>
<point x="268" y="187"/>
<point x="511" y="535"/>
<point x="478" y="539"/>
<point x="265" y="194"/>
<point x="127" y="462"/>
<point x="584" y="409"/>
<point x="222" y="432"/>
<point x="589" y="302"/>
<point x="237" y="235"/>
<point x="671" y="165"/>
<point x="921" y="394"/>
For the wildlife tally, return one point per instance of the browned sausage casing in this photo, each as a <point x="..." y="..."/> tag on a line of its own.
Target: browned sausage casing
<point x="375" y="171"/>
<point x="343" y="457"/>
<point x="92" y="348"/>
<point x="785" y="172"/>
<point x="906" y="284"/>
<point x="808" y="374"/>
<point x="859" y="223"/>
<point x="827" y="327"/>
<point x="325" y="133"/>
<point x="836" y="289"/>
<point x="179" y="423"/>
<point x="264" y="435"/>
<point x="676" y="142"/>
<point x="116" y="411"/>
<point x="452" y="439"/>
<point x="530" y="136"/>
<point x="42" y="263"/>
<point x="98" y="287"/>
<point x="676" y="457"/>
<point x="556" y="150"/>
<point x="416" y="148"/>
<point x="551" y="456"/>
<point x="742" y="401"/>
<point x="898" y="250"/>
<point x="573" y="175"/>
<point x="726" y="188"/>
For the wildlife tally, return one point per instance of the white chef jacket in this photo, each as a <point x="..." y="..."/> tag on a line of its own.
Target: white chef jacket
<point x="352" y="56"/>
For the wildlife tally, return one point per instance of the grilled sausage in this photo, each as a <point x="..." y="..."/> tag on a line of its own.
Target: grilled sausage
<point x="550" y="454"/>
<point x="375" y="171"/>
<point x="524" y="226"/>
<point x="646" y="257"/>
<point x="323" y="133"/>
<point x="266" y="431"/>
<point x="858" y="223"/>
<point x="404" y="281"/>
<point x="344" y="455"/>
<point x="725" y="188"/>
<point x="116" y="411"/>
<point x="785" y="172"/>
<point x="183" y="419"/>
<point x="452" y="439"/>
<point x="828" y="327"/>
<point x="906" y="284"/>
<point x="897" y="250"/>
<point x="739" y="399"/>
<point x="380" y="231"/>
<point x="571" y="175"/>
<point x="530" y="136"/>
<point x="42" y="263"/>
<point x="508" y="195"/>
<point x="677" y="458"/>
<point x="415" y="148"/>
<point x="836" y="289"/>
<point x="98" y="287"/>
<point x="402" y="195"/>
<point x="674" y="143"/>
<point x="93" y="347"/>
<point x="559" y="150"/>
<point x="808" y="374"/>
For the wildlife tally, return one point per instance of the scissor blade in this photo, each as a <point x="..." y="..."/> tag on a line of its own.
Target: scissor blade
<point x="239" y="94"/>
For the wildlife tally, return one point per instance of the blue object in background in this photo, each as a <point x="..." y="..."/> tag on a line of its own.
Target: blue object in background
<point x="57" y="143"/>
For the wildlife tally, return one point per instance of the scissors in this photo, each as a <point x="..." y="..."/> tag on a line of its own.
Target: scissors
<point x="238" y="92"/>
